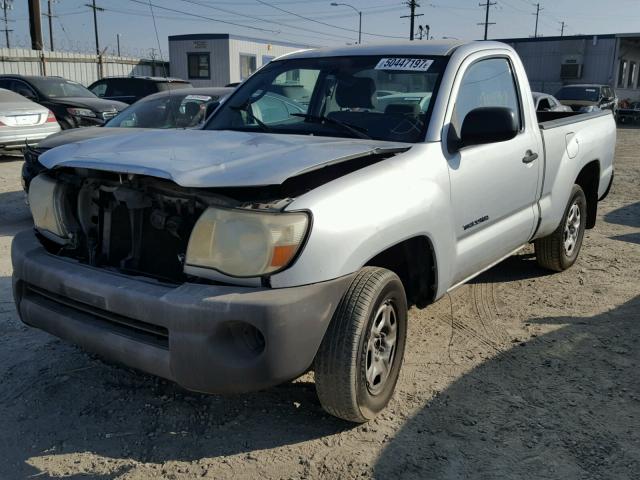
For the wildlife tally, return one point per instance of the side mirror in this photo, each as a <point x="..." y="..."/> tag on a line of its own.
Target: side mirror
<point x="488" y="125"/>
<point x="211" y="107"/>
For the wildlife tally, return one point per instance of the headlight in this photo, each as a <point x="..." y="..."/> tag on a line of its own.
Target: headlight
<point x="81" y="112"/>
<point x="245" y="243"/>
<point x="47" y="203"/>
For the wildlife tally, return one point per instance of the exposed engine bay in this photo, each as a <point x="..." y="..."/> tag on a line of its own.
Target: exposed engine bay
<point x="141" y="225"/>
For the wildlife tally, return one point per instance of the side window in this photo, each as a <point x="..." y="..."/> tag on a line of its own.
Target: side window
<point x="23" y="89"/>
<point x="5" y="83"/>
<point x="199" y="65"/>
<point x="486" y="83"/>
<point x="99" y="89"/>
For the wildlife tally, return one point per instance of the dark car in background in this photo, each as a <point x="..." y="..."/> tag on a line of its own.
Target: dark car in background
<point x="629" y="114"/>
<point x="577" y="97"/>
<point x="71" y="103"/>
<point x="185" y="108"/>
<point x="132" y="89"/>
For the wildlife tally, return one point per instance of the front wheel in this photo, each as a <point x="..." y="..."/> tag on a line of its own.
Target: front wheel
<point x="560" y="250"/>
<point x="358" y="363"/>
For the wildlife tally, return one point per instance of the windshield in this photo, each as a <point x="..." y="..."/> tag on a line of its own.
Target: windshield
<point x="61" y="88"/>
<point x="167" y="111"/>
<point x="589" y="94"/>
<point x="379" y="97"/>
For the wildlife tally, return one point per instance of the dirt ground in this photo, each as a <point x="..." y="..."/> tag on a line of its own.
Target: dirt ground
<point x="520" y="374"/>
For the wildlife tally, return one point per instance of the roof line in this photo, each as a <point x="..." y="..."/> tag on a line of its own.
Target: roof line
<point x="229" y="36"/>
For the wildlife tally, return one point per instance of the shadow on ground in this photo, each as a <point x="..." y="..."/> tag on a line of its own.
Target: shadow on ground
<point x="566" y="405"/>
<point x="516" y="267"/>
<point x="628" y="215"/>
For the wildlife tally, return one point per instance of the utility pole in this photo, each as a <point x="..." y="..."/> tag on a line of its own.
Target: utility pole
<point x="118" y="42"/>
<point x="486" y="22"/>
<point x="412" y="4"/>
<point x="6" y="4"/>
<point x="562" y="29"/>
<point x="95" y="22"/>
<point x="537" y="14"/>
<point x="428" y="28"/>
<point x="419" y="32"/>
<point x="50" y="16"/>
<point x="35" y="25"/>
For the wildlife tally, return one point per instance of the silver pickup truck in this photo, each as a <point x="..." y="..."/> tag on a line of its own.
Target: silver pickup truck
<point x="330" y="192"/>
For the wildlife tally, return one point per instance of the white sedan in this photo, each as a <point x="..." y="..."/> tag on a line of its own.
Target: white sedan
<point x="23" y="121"/>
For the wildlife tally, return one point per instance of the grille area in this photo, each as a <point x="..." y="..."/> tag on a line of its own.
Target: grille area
<point x="128" y="327"/>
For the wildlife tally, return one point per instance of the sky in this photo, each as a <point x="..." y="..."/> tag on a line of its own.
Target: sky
<point x="325" y="25"/>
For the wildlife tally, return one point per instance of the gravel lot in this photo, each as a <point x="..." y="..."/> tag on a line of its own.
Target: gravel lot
<point x="520" y="374"/>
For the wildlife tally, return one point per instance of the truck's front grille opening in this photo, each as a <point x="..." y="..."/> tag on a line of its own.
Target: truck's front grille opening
<point x="128" y="327"/>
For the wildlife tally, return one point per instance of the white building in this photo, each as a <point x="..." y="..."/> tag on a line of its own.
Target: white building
<point x="217" y="59"/>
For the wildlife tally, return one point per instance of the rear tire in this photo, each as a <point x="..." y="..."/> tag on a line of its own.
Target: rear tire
<point x="560" y="250"/>
<point x="358" y="363"/>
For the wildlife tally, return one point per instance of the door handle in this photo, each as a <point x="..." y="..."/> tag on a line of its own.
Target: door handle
<point x="529" y="157"/>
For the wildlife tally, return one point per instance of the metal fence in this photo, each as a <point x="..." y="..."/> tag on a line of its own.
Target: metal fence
<point x="80" y="67"/>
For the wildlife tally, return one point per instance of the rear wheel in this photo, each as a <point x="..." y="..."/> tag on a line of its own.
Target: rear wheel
<point x="358" y="363"/>
<point x="560" y="250"/>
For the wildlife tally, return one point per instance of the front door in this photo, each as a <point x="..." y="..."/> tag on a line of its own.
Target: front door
<point x="493" y="186"/>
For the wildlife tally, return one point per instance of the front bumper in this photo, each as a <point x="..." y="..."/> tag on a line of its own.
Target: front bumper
<point x="208" y="338"/>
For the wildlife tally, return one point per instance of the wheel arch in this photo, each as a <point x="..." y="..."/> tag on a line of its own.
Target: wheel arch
<point x="589" y="180"/>
<point x="414" y="261"/>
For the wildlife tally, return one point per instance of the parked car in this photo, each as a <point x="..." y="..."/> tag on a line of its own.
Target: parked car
<point x="131" y="89"/>
<point x="631" y="114"/>
<point x="241" y="255"/>
<point x="23" y="122"/>
<point x="588" y="95"/>
<point x="71" y="103"/>
<point x="186" y="108"/>
<point x="548" y="103"/>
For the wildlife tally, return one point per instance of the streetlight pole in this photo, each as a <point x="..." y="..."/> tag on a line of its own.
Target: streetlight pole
<point x="334" y="4"/>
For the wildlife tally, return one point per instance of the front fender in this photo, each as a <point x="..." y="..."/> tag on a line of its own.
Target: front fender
<point x="367" y="211"/>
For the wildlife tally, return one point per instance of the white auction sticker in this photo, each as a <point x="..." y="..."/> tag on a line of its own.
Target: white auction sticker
<point x="404" y="64"/>
<point x="204" y="98"/>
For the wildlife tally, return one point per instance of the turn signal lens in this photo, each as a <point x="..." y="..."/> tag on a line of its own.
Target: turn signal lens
<point x="51" y="118"/>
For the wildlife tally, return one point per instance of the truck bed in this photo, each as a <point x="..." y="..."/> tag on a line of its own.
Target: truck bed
<point x="547" y="120"/>
<point x="571" y="140"/>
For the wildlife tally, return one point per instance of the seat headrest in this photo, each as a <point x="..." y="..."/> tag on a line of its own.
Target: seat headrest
<point x="403" y="108"/>
<point x="356" y="92"/>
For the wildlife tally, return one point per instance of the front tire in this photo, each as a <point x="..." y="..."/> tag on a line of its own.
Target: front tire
<point x="560" y="250"/>
<point x="358" y="363"/>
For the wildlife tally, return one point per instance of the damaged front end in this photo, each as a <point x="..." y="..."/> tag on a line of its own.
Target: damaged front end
<point x="148" y="226"/>
<point x="136" y="225"/>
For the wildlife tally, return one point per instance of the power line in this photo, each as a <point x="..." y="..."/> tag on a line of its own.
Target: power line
<point x="486" y="22"/>
<point x="95" y="22"/>
<point x="204" y="17"/>
<point x="412" y="4"/>
<point x="323" y="23"/>
<point x="537" y="14"/>
<point x="6" y="4"/>
<point x="330" y="35"/>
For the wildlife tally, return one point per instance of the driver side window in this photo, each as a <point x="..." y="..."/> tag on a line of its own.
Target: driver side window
<point x="486" y="83"/>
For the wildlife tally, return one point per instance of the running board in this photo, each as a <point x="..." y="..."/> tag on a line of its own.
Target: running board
<point x="490" y="266"/>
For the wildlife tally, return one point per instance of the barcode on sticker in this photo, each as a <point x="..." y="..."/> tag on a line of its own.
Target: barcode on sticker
<point x="406" y="64"/>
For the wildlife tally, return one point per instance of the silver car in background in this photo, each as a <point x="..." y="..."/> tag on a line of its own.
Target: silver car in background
<point x="548" y="103"/>
<point x="23" y="121"/>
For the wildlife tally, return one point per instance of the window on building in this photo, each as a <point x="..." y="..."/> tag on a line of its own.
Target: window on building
<point x="633" y="75"/>
<point x="622" y="74"/>
<point x="247" y="65"/>
<point x="199" y="65"/>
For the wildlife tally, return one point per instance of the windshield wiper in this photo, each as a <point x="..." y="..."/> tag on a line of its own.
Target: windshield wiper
<point x="245" y="108"/>
<point x="357" y="131"/>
